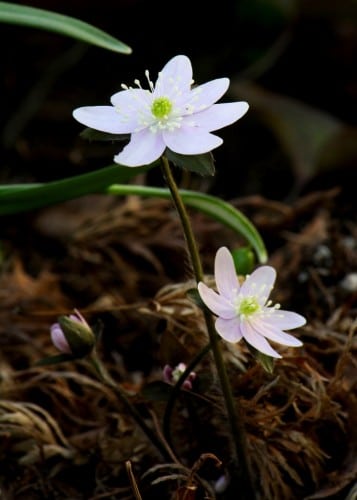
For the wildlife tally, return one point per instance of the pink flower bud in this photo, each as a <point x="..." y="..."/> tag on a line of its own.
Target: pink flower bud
<point x="73" y="335"/>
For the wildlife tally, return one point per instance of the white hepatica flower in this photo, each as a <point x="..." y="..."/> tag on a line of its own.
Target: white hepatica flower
<point x="170" y="114"/>
<point x="244" y="311"/>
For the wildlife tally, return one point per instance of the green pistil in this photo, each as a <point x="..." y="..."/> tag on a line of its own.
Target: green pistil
<point x="248" y="306"/>
<point x="161" y="107"/>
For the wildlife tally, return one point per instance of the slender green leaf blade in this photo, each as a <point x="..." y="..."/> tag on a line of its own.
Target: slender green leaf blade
<point x="216" y="208"/>
<point x="58" y="23"/>
<point x="24" y="197"/>
<point x="54" y="360"/>
<point x="228" y="215"/>
<point x="97" y="135"/>
<point x="20" y="198"/>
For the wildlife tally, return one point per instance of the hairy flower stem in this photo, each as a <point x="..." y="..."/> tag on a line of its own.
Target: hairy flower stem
<point x="107" y="379"/>
<point x="243" y="473"/>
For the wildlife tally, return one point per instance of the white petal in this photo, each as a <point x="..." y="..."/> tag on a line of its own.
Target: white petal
<point x="256" y="340"/>
<point x="274" y="334"/>
<point x="205" y="95"/>
<point x="176" y="76"/>
<point x="144" y="148"/>
<point x="259" y="283"/>
<point x="133" y="107"/>
<point x="103" y="118"/>
<point x="229" y="329"/>
<point x="190" y="140"/>
<point x="225" y="274"/>
<point x="219" y="115"/>
<point x="216" y="303"/>
<point x="284" y="320"/>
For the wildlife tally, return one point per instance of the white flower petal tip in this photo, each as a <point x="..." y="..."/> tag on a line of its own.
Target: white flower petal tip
<point x="245" y="311"/>
<point x="172" y="113"/>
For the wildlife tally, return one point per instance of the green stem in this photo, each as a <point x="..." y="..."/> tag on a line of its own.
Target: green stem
<point x="242" y="465"/>
<point x="185" y="220"/>
<point x="107" y="379"/>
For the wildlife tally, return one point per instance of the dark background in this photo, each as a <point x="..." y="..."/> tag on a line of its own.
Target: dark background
<point x="302" y="50"/>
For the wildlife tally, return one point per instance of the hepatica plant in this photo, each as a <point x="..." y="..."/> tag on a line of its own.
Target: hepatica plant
<point x="175" y="117"/>
<point x="172" y="113"/>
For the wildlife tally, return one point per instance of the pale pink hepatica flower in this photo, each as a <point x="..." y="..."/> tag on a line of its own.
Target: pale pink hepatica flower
<point x="170" y="114"/>
<point x="172" y="375"/>
<point x="244" y="311"/>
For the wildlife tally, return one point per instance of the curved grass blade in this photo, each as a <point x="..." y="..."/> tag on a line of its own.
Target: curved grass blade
<point x="22" y="197"/>
<point x="15" y="198"/>
<point x="214" y="207"/>
<point x="58" y="23"/>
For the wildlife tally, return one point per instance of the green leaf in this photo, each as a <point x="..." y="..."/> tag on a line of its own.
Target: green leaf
<point x="267" y="362"/>
<point x="202" y="164"/>
<point x="96" y="135"/>
<point x="193" y="295"/>
<point x="54" y="360"/>
<point x="244" y="260"/>
<point x="216" y="208"/>
<point x="24" y="197"/>
<point x="228" y="215"/>
<point x="58" y="23"/>
<point x="20" y="198"/>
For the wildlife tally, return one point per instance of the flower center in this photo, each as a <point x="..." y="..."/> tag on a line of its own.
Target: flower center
<point x="248" y="306"/>
<point x="161" y="107"/>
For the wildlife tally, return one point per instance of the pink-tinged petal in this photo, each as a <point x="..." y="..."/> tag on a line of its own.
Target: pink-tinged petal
<point x="229" y="329"/>
<point x="215" y="302"/>
<point x="167" y="374"/>
<point x="284" y="320"/>
<point x="105" y="119"/>
<point x="225" y="274"/>
<point x="59" y="340"/>
<point x="78" y="317"/>
<point x="205" y="95"/>
<point x="273" y="333"/>
<point x="175" y="76"/>
<point x="257" y="341"/>
<point x="190" y="140"/>
<point x="259" y="283"/>
<point x="144" y="148"/>
<point x="219" y="115"/>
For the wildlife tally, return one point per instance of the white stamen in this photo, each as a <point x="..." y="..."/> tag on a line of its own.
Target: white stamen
<point x="151" y="85"/>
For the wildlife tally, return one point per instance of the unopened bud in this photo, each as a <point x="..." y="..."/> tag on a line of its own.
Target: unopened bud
<point x="73" y="335"/>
